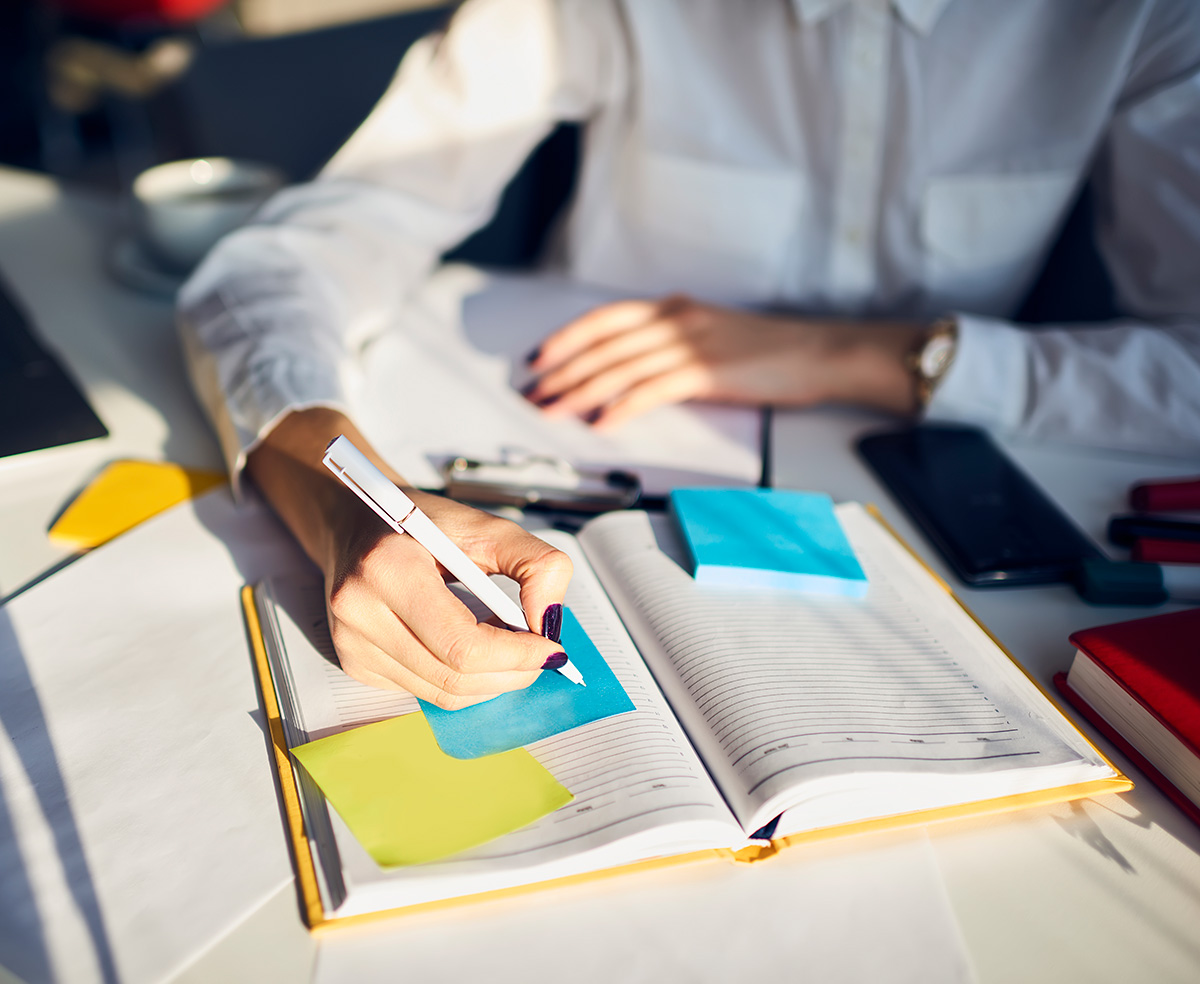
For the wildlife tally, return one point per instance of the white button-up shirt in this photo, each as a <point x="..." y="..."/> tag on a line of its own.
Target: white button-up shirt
<point x="853" y="157"/>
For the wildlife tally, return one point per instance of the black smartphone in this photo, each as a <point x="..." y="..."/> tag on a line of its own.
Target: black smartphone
<point x="988" y="519"/>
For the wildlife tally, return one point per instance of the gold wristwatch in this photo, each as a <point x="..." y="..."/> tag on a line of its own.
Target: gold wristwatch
<point x="932" y="357"/>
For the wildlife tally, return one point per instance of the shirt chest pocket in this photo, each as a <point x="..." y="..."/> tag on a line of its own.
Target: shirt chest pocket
<point x="985" y="236"/>
<point x="717" y="230"/>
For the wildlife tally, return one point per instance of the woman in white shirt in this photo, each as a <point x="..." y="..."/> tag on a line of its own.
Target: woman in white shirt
<point x="900" y="168"/>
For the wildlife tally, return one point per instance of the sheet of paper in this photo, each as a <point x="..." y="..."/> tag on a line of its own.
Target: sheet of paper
<point x="856" y="912"/>
<point x="445" y="383"/>
<point x="138" y="818"/>
<point x="551" y="706"/>
<point x="409" y="802"/>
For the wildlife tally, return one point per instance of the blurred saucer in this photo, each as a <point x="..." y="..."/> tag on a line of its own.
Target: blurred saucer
<point x="130" y="264"/>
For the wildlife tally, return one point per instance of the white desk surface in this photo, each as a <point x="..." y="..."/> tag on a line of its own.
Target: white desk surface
<point x="1104" y="890"/>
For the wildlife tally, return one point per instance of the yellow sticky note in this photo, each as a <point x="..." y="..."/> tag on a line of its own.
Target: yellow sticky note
<point x="124" y="494"/>
<point x="408" y="802"/>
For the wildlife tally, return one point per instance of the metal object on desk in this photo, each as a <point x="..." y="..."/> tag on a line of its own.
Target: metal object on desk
<point x="526" y="480"/>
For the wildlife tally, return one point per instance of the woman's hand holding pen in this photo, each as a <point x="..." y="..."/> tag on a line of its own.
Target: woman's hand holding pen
<point x="623" y="359"/>
<point x="394" y="622"/>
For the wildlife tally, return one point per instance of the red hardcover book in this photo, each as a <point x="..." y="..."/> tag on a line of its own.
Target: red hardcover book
<point x="1138" y="682"/>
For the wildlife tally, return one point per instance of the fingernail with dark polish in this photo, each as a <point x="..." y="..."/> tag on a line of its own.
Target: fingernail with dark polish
<point x="555" y="662"/>
<point x="593" y="415"/>
<point x="533" y="356"/>
<point x="529" y="387"/>
<point x="547" y="401"/>
<point x="552" y="620"/>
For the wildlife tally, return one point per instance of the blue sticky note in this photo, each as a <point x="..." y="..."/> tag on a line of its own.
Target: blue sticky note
<point x="767" y="538"/>
<point x="553" y="704"/>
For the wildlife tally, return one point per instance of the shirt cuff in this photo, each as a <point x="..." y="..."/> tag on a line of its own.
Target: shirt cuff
<point x="244" y="413"/>
<point x="988" y="381"/>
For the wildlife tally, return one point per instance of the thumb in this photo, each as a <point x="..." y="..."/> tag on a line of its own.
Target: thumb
<point x="543" y="573"/>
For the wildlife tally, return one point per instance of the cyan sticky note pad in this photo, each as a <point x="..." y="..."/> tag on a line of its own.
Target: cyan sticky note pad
<point x="767" y="538"/>
<point x="553" y="704"/>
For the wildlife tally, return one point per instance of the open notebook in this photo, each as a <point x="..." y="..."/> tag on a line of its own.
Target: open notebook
<point x="761" y="719"/>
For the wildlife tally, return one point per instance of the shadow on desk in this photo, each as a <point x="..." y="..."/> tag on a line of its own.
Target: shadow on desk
<point x="24" y="949"/>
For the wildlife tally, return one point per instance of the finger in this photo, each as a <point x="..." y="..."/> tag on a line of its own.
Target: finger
<point x="588" y="329"/>
<point x="604" y="354"/>
<point x="449" y="632"/>
<point x="480" y="660"/>
<point x="399" y="587"/>
<point x="371" y="665"/>
<point x="592" y="394"/>
<point x="502" y="547"/>
<point x="681" y="384"/>
<point x="542" y="572"/>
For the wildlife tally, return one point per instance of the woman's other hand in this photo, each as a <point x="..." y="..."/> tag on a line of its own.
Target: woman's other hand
<point x="623" y="359"/>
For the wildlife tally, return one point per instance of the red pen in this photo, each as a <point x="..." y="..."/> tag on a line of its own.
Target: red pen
<point x="1166" y="495"/>
<point x="1165" y="551"/>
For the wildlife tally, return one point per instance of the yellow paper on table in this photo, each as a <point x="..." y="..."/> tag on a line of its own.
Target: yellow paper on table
<point x="124" y="494"/>
<point x="408" y="802"/>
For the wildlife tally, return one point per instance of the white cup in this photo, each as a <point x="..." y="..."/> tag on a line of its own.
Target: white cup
<point x="182" y="208"/>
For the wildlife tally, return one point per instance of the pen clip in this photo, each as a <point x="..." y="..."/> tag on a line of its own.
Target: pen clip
<point x="359" y="476"/>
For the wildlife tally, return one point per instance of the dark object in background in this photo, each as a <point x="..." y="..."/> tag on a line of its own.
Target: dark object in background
<point x="40" y="406"/>
<point x="1125" y="531"/>
<point x="1157" y="539"/>
<point x="289" y="100"/>
<point x="293" y="100"/>
<point x="1166" y="495"/>
<point x="1111" y="582"/>
<point x="988" y="519"/>
<point x="1074" y="285"/>
<point x="165" y="11"/>
<point x="20" y="143"/>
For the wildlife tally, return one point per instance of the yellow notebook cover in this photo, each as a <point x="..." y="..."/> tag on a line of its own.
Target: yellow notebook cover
<point x="310" y="898"/>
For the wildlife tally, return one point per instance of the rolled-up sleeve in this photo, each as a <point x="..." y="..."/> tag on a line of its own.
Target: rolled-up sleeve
<point x="270" y="317"/>
<point x="1133" y="384"/>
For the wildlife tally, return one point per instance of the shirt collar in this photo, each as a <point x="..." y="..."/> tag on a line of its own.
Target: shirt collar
<point x="921" y="14"/>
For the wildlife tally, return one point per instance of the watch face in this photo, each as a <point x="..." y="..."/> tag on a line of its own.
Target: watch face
<point x="935" y="357"/>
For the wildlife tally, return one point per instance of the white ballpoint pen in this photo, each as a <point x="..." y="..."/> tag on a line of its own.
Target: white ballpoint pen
<point x="358" y="474"/>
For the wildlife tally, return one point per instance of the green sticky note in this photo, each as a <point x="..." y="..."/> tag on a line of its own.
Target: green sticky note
<point x="409" y="802"/>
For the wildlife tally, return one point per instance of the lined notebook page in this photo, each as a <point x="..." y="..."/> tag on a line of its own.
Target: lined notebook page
<point x="639" y="788"/>
<point x="792" y="698"/>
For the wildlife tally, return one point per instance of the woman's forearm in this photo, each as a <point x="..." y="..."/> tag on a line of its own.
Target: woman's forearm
<point x="286" y="468"/>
